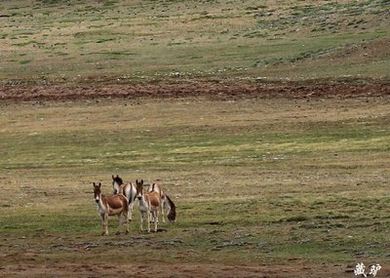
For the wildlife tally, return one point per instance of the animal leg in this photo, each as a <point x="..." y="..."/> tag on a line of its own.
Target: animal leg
<point x="105" y="224"/>
<point x="152" y="220"/>
<point x="130" y="212"/>
<point x="162" y="209"/>
<point x="106" y="217"/>
<point x="142" y="221"/>
<point x="155" y="220"/>
<point x="148" y="219"/>
<point x="102" y="219"/>
<point x="126" y="223"/>
<point x="120" y="224"/>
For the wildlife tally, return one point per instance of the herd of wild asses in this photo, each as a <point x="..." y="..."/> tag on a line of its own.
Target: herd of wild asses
<point x="151" y="202"/>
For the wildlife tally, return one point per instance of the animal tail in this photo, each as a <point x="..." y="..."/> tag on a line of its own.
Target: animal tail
<point x="172" y="209"/>
<point x="126" y="207"/>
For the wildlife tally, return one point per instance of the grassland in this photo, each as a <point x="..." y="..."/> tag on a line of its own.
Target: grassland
<point x="74" y="41"/>
<point x="277" y="187"/>
<point x="271" y="178"/>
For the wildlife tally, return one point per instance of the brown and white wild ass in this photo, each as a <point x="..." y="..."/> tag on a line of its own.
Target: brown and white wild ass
<point x="110" y="205"/>
<point x="149" y="205"/>
<point x="166" y="202"/>
<point x="127" y="189"/>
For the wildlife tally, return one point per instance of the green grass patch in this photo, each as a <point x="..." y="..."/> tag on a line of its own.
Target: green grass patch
<point x="246" y="40"/>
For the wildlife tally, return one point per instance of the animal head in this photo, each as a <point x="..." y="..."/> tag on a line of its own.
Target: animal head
<point x="140" y="189"/>
<point x="116" y="183"/>
<point x="97" y="191"/>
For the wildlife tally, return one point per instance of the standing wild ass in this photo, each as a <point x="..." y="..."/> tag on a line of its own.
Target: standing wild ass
<point x="149" y="204"/>
<point x="127" y="189"/>
<point x="110" y="205"/>
<point x="166" y="202"/>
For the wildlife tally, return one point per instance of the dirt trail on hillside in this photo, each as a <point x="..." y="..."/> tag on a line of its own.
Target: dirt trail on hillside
<point x="209" y="89"/>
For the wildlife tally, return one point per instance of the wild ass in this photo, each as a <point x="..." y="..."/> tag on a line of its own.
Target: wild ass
<point x="110" y="205"/>
<point x="128" y="190"/>
<point x="166" y="202"/>
<point x="149" y="204"/>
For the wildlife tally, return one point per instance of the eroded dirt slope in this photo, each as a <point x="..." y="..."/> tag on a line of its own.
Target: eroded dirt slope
<point x="209" y="89"/>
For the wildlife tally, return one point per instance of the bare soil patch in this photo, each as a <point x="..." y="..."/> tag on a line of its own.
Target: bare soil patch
<point x="209" y="89"/>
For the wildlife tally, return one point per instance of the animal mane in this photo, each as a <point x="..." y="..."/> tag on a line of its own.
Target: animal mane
<point x="118" y="180"/>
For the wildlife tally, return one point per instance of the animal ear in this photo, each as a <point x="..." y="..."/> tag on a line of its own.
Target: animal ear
<point x="94" y="184"/>
<point x="113" y="177"/>
<point x="142" y="181"/>
<point x="100" y="185"/>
